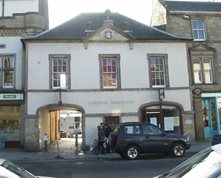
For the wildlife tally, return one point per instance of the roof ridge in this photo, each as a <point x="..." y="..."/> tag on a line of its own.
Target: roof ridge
<point x="74" y="28"/>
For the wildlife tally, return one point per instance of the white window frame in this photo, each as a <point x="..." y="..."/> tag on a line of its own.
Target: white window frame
<point x="202" y="71"/>
<point x="63" y="71"/>
<point x="198" y="30"/>
<point x="116" y="58"/>
<point x="159" y="74"/>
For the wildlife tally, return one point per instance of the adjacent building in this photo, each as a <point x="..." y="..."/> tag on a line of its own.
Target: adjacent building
<point x="18" y="18"/>
<point x="202" y="22"/>
<point x="110" y="69"/>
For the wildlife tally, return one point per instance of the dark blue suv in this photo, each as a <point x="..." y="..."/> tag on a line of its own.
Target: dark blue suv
<point x="135" y="138"/>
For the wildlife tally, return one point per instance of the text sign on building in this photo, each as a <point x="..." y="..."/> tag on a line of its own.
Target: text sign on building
<point x="2" y="45"/>
<point x="11" y="96"/>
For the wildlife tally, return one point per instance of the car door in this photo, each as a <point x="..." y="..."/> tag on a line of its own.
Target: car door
<point x="153" y="139"/>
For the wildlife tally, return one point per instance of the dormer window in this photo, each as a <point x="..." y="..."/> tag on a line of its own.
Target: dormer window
<point x="198" y="30"/>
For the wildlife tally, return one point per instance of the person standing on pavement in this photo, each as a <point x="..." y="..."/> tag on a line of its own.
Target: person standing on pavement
<point x="107" y="130"/>
<point x="101" y="137"/>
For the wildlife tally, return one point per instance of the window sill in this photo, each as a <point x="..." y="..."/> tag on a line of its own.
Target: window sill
<point x="199" y="40"/>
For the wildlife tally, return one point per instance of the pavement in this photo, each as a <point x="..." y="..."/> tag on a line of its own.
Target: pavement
<point x="65" y="150"/>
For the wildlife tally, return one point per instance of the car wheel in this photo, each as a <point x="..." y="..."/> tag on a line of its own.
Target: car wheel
<point x="132" y="152"/>
<point x="178" y="149"/>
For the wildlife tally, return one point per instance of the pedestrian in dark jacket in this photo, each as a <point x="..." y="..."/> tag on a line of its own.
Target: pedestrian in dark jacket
<point x="107" y="130"/>
<point x="101" y="137"/>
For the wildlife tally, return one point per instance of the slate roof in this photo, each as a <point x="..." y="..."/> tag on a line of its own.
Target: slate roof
<point x="74" y="29"/>
<point x="193" y="6"/>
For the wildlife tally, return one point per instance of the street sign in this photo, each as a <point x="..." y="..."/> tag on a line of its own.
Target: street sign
<point x="11" y="96"/>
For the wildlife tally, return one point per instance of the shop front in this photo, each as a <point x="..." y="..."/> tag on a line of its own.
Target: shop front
<point x="10" y="119"/>
<point x="211" y="106"/>
<point x="165" y="115"/>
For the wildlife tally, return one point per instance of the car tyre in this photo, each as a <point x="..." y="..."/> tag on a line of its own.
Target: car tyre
<point x="132" y="152"/>
<point x="178" y="149"/>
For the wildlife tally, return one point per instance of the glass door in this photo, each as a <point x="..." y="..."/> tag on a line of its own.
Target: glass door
<point x="211" y="117"/>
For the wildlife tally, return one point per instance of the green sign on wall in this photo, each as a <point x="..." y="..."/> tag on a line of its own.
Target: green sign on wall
<point x="11" y="96"/>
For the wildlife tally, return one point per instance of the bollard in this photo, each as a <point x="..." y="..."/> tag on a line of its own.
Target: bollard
<point x="46" y="142"/>
<point x="58" y="156"/>
<point x="76" y="135"/>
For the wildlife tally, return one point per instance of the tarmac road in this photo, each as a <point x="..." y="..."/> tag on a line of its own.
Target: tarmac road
<point x="146" y="167"/>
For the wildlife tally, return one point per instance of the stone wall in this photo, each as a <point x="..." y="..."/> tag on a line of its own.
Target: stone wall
<point x="158" y="14"/>
<point x="180" y="24"/>
<point x="188" y="123"/>
<point x="29" y="23"/>
<point x="31" y="134"/>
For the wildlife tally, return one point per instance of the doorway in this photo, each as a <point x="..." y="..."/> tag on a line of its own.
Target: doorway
<point x="165" y="115"/>
<point x="211" y="116"/>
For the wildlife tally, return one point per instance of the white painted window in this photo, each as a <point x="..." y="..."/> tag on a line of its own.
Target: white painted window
<point x="60" y="71"/>
<point x="198" y="30"/>
<point x="7" y="71"/>
<point x="157" y="71"/>
<point x="202" y="70"/>
<point x="109" y="71"/>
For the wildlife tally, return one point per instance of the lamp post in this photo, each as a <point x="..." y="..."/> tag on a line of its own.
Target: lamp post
<point x="62" y="87"/>
<point x="161" y="97"/>
<point x="161" y="94"/>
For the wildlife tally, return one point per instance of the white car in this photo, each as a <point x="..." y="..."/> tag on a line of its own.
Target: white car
<point x="205" y="164"/>
<point x="11" y="170"/>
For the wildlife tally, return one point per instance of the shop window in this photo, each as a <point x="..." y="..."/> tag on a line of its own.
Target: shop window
<point x="205" y="117"/>
<point x="7" y="71"/>
<point x="10" y="122"/>
<point x="165" y="117"/>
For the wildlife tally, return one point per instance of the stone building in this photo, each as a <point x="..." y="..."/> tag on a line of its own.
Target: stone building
<point x="18" y="19"/>
<point x="110" y="69"/>
<point x="200" y="21"/>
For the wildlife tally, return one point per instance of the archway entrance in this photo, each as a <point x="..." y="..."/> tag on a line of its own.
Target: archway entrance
<point x="62" y="124"/>
<point x="165" y="115"/>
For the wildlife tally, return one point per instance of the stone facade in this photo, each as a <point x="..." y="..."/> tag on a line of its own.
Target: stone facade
<point x="16" y="24"/>
<point x="179" y="23"/>
<point x="22" y="24"/>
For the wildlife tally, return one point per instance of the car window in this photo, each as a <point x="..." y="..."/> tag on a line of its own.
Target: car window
<point x="132" y="129"/>
<point x="151" y="130"/>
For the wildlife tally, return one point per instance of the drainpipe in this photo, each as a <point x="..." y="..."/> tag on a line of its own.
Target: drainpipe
<point x="3" y="8"/>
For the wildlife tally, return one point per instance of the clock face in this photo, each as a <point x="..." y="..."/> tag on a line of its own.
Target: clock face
<point x="108" y="34"/>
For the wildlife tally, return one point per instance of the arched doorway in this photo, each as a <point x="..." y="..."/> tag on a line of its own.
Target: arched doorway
<point x="165" y="115"/>
<point x="61" y="122"/>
